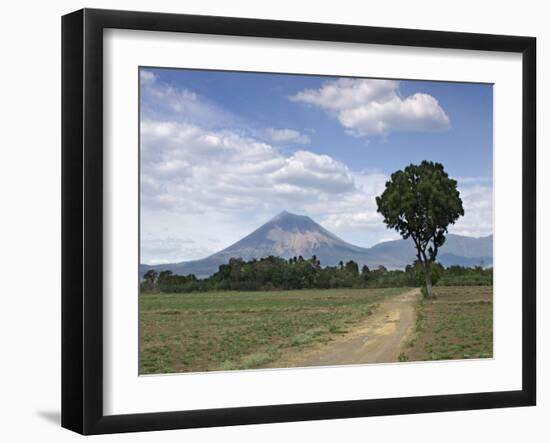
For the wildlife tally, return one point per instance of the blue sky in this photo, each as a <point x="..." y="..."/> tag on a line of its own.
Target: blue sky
<point x="222" y="152"/>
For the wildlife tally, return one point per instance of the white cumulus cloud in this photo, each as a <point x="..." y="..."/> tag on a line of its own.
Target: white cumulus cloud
<point x="187" y="167"/>
<point x="288" y="135"/>
<point x="367" y="107"/>
<point x="477" y="200"/>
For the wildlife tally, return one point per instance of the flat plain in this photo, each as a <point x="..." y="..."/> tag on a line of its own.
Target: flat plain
<point x="213" y="331"/>
<point x="458" y="324"/>
<point x="210" y="331"/>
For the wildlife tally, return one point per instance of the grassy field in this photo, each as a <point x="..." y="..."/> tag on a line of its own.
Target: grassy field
<point x="241" y="330"/>
<point x="458" y="324"/>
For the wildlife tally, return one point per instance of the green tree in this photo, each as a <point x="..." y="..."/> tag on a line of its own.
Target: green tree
<point x="436" y="270"/>
<point x="150" y="279"/>
<point x="353" y="268"/>
<point x="420" y="202"/>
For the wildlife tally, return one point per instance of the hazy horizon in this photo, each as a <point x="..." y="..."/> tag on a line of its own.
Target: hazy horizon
<point x="285" y="212"/>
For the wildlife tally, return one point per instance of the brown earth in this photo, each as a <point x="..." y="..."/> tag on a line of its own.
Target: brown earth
<point x="378" y="339"/>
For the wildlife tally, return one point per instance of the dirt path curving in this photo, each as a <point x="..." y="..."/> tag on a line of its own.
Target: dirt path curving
<point x="378" y="339"/>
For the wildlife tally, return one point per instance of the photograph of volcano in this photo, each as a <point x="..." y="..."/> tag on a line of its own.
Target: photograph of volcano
<point x="293" y="221"/>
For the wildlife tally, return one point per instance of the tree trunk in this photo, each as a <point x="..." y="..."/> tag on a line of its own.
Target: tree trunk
<point x="429" y="287"/>
<point x="428" y="276"/>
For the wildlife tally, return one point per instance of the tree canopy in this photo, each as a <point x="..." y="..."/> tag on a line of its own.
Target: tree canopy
<point x="274" y="273"/>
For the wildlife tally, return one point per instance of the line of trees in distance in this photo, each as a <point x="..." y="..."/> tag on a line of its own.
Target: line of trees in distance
<point x="275" y="273"/>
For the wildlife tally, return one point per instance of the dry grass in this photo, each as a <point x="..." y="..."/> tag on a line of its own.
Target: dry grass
<point x="458" y="324"/>
<point x="242" y="330"/>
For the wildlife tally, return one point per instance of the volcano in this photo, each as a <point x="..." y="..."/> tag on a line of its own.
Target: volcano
<point x="290" y="235"/>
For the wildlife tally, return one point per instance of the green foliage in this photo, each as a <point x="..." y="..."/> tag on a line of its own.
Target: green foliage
<point x="461" y="276"/>
<point x="421" y="202"/>
<point x="149" y="281"/>
<point x="273" y="273"/>
<point x="402" y="357"/>
<point x="436" y="270"/>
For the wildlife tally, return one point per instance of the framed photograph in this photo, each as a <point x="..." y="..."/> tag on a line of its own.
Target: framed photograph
<point x="268" y="221"/>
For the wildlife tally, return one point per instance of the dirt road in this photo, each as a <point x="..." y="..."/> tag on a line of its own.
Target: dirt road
<point x="380" y="338"/>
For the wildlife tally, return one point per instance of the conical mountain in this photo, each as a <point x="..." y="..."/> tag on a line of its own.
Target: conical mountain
<point x="289" y="235"/>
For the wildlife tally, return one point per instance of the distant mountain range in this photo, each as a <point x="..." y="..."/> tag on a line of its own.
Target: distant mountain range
<point x="288" y="235"/>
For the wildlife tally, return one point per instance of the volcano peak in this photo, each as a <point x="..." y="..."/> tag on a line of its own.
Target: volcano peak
<point x="288" y="235"/>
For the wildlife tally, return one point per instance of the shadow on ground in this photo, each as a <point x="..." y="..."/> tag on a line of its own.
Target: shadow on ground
<point x="54" y="417"/>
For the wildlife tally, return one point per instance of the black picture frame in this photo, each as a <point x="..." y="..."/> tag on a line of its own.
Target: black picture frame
<point x="82" y="218"/>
